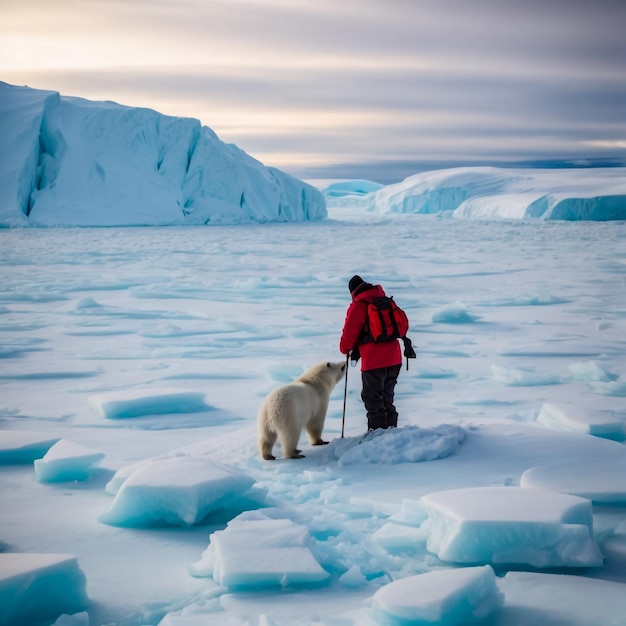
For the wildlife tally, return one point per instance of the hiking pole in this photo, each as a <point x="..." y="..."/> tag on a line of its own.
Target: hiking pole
<point x="345" y="395"/>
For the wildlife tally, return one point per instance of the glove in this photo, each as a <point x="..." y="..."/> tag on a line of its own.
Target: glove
<point x="355" y="355"/>
<point x="409" y="353"/>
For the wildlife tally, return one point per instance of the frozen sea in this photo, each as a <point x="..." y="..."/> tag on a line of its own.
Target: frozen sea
<point x="509" y="318"/>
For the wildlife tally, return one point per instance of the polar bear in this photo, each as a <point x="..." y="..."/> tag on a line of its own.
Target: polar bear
<point x="290" y="408"/>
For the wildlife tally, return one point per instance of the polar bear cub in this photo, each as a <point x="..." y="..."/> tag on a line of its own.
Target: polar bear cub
<point x="297" y="405"/>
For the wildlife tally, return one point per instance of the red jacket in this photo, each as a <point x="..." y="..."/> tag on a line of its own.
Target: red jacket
<point x="373" y="355"/>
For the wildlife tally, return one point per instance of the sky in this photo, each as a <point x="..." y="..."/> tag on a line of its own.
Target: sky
<point x="376" y="89"/>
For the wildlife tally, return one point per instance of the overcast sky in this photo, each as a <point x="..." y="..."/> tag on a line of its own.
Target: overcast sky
<point x="375" y="89"/>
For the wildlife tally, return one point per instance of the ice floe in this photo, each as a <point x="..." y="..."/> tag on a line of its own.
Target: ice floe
<point x="445" y="597"/>
<point x="599" y="422"/>
<point x="67" y="460"/>
<point x="256" y="551"/>
<point x="511" y="525"/>
<point x="176" y="491"/>
<point x="545" y="598"/>
<point x="38" y="588"/>
<point x="600" y="475"/>
<point x="140" y="402"/>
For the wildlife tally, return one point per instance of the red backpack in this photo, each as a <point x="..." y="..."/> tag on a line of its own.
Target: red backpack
<point x="386" y="321"/>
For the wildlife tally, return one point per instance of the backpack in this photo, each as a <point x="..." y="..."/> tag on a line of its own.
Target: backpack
<point x="386" y="321"/>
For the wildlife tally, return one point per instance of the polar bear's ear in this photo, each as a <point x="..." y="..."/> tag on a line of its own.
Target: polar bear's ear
<point x="328" y="364"/>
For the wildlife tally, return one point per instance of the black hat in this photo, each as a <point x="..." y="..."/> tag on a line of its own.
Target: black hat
<point x="355" y="281"/>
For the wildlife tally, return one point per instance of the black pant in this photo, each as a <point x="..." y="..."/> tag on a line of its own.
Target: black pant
<point x="377" y="395"/>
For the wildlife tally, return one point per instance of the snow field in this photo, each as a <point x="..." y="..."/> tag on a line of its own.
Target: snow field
<point x="227" y="315"/>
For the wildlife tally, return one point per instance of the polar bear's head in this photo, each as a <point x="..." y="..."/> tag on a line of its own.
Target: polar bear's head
<point x="326" y="374"/>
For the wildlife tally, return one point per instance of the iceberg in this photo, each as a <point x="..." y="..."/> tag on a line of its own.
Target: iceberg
<point x="356" y="187"/>
<point x="73" y="162"/>
<point x="509" y="193"/>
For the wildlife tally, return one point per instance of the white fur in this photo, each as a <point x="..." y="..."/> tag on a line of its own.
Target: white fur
<point x="297" y="405"/>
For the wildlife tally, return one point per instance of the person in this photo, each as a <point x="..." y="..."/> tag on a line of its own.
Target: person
<point x="380" y="362"/>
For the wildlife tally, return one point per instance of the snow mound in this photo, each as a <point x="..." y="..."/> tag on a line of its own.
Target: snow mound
<point x="139" y="402"/>
<point x="511" y="525"/>
<point x="453" y="596"/>
<point x="256" y="551"/>
<point x="71" y="162"/>
<point x="21" y="446"/>
<point x="598" y="422"/>
<point x="177" y="491"/>
<point x="38" y="588"/>
<point x="66" y="461"/>
<point x="407" y="444"/>
<point x="492" y="192"/>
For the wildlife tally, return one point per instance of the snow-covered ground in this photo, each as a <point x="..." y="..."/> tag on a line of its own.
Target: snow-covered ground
<point x="134" y="362"/>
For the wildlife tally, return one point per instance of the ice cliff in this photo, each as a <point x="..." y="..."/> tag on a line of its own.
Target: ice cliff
<point x="501" y="193"/>
<point x="71" y="162"/>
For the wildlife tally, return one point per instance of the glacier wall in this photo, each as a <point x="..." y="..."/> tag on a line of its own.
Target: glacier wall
<point x="502" y="193"/>
<point x="73" y="162"/>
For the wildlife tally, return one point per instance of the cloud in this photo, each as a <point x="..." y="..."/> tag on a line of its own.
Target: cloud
<point x="320" y="81"/>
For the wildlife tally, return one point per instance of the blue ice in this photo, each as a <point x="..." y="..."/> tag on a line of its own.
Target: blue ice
<point x="591" y="421"/>
<point x="511" y="525"/>
<point x="444" y="597"/>
<point x="175" y="491"/>
<point x="37" y="588"/>
<point x="20" y="446"/>
<point x="66" y="461"/>
<point x="80" y="163"/>
<point x="140" y="402"/>
<point x="456" y="313"/>
<point x="257" y="551"/>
